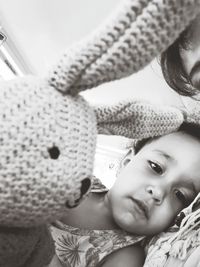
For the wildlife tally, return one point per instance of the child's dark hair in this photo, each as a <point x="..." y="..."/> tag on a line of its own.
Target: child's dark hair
<point x="172" y="67"/>
<point x="188" y="128"/>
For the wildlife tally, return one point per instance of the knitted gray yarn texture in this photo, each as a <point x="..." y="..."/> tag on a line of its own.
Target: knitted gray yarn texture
<point x="47" y="145"/>
<point x="135" y="34"/>
<point x="138" y="119"/>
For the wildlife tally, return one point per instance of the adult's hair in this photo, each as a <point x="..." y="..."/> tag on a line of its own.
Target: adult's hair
<point x="172" y="66"/>
<point x="188" y="128"/>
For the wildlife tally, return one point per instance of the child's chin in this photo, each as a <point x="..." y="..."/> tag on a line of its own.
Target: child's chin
<point x="128" y="223"/>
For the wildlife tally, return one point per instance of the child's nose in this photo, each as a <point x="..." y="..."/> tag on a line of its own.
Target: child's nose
<point x="156" y="193"/>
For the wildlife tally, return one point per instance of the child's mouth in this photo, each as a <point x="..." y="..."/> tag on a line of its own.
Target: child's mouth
<point x="142" y="207"/>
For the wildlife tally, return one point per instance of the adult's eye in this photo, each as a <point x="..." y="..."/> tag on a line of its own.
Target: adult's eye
<point x="155" y="167"/>
<point x="182" y="198"/>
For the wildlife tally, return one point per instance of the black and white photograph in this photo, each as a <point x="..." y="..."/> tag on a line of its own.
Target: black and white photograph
<point x="100" y="133"/>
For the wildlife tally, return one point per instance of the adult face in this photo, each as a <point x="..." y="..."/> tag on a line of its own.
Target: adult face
<point x="156" y="184"/>
<point x="190" y="54"/>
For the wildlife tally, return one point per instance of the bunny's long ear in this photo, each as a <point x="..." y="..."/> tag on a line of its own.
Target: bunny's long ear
<point x="137" y="32"/>
<point x="138" y="119"/>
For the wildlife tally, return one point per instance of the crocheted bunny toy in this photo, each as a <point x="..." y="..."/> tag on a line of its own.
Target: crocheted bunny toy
<point x="47" y="145"/>
<point x="48" y="131"/>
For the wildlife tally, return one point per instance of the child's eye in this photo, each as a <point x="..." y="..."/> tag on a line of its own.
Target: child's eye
<point x="183" y="199"/>
<point x="155" y="167"/>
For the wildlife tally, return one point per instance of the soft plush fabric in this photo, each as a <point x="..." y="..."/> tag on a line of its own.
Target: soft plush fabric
<point x="48" y="132"/>
<point x="139" y="119"/>
<point x="47" y="149"/>
<point x="47" y="144"/>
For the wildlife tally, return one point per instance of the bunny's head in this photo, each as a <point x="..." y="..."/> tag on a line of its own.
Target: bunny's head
<point x="47" y="144"/>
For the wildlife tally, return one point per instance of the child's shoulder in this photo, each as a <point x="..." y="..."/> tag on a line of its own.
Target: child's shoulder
<point x="126" y="257"/>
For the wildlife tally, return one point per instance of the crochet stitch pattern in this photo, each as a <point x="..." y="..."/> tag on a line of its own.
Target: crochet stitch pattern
<point x="35" y="122"/>
<point x="46" y="160"/>
<point x="136" y="33"/>
<point x="138" y="119"/>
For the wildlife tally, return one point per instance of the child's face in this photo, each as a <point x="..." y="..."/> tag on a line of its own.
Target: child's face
<point x="156" y="184"/>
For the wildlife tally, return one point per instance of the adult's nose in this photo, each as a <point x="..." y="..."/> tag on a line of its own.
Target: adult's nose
<point x="156" y="192"/>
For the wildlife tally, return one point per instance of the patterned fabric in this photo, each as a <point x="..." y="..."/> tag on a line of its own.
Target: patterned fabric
<point x="177" y="242"/>
<point x="87" y="248"/>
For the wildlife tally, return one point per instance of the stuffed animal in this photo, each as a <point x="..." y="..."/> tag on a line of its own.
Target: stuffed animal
<point x="48" y="131"/>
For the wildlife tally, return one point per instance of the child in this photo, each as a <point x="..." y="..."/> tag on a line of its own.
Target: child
<point x="151" y="188"/>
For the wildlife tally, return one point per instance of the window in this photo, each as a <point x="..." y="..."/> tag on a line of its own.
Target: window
<point x="11" y="61"/>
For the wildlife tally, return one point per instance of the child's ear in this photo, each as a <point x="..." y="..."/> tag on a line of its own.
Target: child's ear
<point x="128" y="157"/>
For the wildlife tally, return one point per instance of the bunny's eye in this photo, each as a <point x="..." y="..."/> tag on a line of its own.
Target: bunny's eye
<point x="54" y="152"/>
